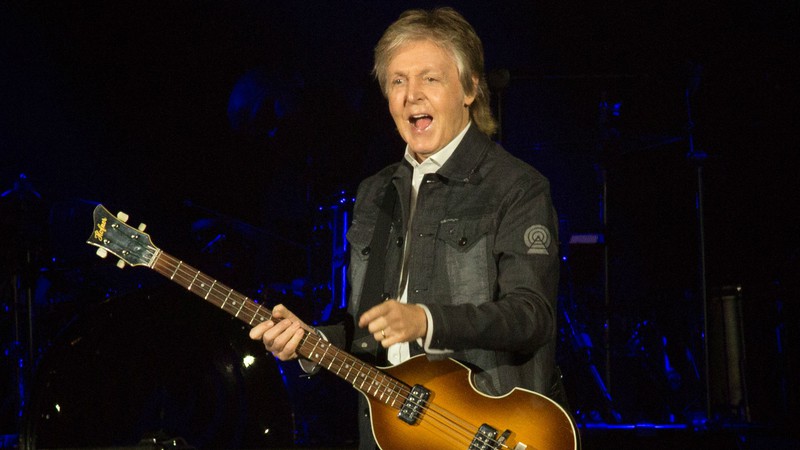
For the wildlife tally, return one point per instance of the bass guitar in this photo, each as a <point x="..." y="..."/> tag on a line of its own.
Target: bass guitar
<point x="418" y="404"/>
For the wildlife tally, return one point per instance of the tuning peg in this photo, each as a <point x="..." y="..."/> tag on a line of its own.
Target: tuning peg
<point x="122" y="217"/>
<point x="121" y="264"/>
<point x="101" y="252"/>
<point x="142" y="227"/>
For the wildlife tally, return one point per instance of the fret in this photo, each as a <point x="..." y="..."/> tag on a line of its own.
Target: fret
<point x="250" y="315"/>
<point x="209" y="290"/>
<point x="349" y="368"/>
<point x="255" y="314"/>
<point x="311" y="354"/>
<point x="380" y="387"/>
<point x="201" y="285"/>
<point x="396" y="393"/>
<point x="226" y="299"/>
<point x="241" y="304"/>
<point x="176" y="270"/>
<point x="352" y="378"/>
<point x="373" y="386"/>
<point x="363" y="379"/>
<point x="370" y="382"/>
<point x="327" y="347"/>
<point x="193" y="280"/>
<point x="343" y="364"/>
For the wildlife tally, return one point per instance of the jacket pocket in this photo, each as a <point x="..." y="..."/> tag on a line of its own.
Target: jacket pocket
<point x="462" y="234"/>
<point x="465" y="248"/>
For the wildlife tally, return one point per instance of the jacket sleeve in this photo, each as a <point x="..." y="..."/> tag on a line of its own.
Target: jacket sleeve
<point x="522" y="314"/>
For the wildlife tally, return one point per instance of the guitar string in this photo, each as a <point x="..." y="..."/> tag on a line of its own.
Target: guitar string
<point x="245" y="304"/>
<point x="191" y="277"/>
<point x="188" y="277"/>
<point x="436" y="414"/>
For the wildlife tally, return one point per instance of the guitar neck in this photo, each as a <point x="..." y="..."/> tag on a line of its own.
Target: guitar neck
<point x="362" y="376"/>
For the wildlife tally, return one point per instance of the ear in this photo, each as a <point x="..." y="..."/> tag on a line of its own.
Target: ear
<point x="470" y="97"/>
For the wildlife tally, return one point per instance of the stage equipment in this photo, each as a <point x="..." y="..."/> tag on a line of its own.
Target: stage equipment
<point x="154" y="365"/>
<point x="612" y="139"/>
<point x="727" y="356"/>
<point x="330" y="254"/>
<point x="23" y="226"/>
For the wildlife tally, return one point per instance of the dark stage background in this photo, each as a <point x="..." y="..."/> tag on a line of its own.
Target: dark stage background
<point x="238" y="132"/>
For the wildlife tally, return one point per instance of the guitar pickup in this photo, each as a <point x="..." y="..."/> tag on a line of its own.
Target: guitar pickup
<point x="416" y="402"/>
<point x="487" y="439"/>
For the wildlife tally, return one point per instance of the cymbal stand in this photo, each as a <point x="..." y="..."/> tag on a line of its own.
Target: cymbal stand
<point x="607" y="111"/>
<point x="698" y="157"/>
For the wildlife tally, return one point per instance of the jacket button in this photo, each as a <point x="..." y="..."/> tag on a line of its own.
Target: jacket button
<point x="399" y="242"/>
<point x="462" y="242"/>
<point x="365" y="251"/>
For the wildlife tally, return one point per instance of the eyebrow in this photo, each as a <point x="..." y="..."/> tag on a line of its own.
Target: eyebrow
<point x="421" y="74"/>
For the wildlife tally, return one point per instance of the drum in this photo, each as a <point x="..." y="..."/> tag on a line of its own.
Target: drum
<point x="157" y="365"/>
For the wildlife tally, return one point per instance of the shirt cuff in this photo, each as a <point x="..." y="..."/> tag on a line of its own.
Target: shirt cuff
<point x="426" y="343"/>
<point x="308" y="366"/>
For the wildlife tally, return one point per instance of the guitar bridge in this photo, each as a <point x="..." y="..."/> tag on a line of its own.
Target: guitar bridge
<point x="487" y="439"/>
<point x="416" y="402"/>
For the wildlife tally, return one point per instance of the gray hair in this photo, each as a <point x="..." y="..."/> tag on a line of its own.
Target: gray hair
<point x="447" y="29"/>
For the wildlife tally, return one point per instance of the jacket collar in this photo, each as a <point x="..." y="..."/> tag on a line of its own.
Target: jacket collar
<point x="463" y="163"/>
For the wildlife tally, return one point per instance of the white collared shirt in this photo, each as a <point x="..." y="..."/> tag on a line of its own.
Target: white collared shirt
<point x="400" y="352"/>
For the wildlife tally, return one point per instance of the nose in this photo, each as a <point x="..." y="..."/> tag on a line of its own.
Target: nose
<point x="415" y="92"/>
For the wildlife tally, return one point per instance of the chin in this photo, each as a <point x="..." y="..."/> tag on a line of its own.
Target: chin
<point x="424" y="147"/>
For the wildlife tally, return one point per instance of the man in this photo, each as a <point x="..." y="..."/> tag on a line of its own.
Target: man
<point x="459" y="237"/>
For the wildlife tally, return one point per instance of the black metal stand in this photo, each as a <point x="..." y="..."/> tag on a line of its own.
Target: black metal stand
<point x="698" y="158"/>
<point x="22" y="226"/>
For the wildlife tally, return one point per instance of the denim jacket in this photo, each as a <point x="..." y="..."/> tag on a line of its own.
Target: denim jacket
<point x="483" y="250"/>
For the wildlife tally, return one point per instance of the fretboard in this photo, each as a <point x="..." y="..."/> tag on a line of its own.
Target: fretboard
<point x="362" y="376"/>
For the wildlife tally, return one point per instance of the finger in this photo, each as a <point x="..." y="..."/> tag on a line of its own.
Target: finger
<point x="390" y="338"/>
<point x="294" y="342"/>
<point x="273" y="339"/>
<point x="283" y="339"/>
<point x="257" y="332"/>
<point x="380" y="335"/>
<point x="373" y="313"/>
<point x="281" y="312"/>
<point x="289" y="350"/>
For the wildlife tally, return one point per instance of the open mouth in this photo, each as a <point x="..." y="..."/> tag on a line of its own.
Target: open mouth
<point x="421" y="121"/>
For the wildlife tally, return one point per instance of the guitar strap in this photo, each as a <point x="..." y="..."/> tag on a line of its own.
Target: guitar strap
<point x="373" y="291"/>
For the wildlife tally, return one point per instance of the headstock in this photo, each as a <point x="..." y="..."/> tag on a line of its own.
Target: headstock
<point x="112" y="235"/>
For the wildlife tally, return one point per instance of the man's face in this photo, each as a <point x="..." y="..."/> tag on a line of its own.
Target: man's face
<point x="426" y="99"/>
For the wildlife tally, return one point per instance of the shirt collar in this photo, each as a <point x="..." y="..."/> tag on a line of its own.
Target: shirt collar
<point x="438" y="159"/>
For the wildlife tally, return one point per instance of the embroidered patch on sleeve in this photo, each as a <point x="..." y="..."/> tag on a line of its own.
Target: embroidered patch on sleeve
<point x="537" y="239"/>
